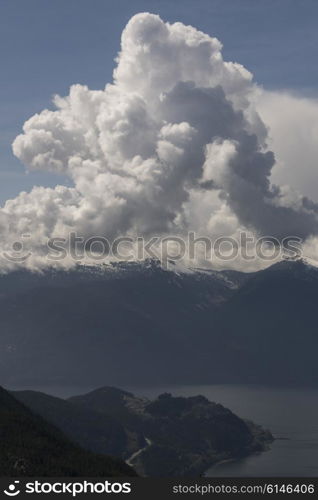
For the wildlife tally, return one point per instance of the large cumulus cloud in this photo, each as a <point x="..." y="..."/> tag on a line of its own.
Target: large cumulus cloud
<point x="173" y="144"/>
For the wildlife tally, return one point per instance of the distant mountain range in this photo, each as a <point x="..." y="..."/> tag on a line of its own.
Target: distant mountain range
<point x="30" y="446"/>
<point x="170" y="436"/>
<point x="136" y="324"/>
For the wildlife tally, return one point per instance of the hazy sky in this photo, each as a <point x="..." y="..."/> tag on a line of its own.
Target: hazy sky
<point x="47" y="45"/>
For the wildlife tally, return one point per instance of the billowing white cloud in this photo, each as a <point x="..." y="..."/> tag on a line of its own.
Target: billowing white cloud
<point x="175" y="143"/>
<point x="293" y="135"/>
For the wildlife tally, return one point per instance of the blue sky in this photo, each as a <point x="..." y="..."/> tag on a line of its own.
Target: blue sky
<point x="47" y="45"/>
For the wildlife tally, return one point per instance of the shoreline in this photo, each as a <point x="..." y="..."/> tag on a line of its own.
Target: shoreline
<point x="265" y="445"/>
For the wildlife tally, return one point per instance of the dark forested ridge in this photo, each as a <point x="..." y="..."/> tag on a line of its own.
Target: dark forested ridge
<point x="30" y="446"/>
<point x="97" y="431"/>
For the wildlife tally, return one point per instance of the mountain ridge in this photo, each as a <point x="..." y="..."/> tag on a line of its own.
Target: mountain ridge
<point x="148" y="325"/>
<point x="181" y="436"/>
<point x="31" y="446"/>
